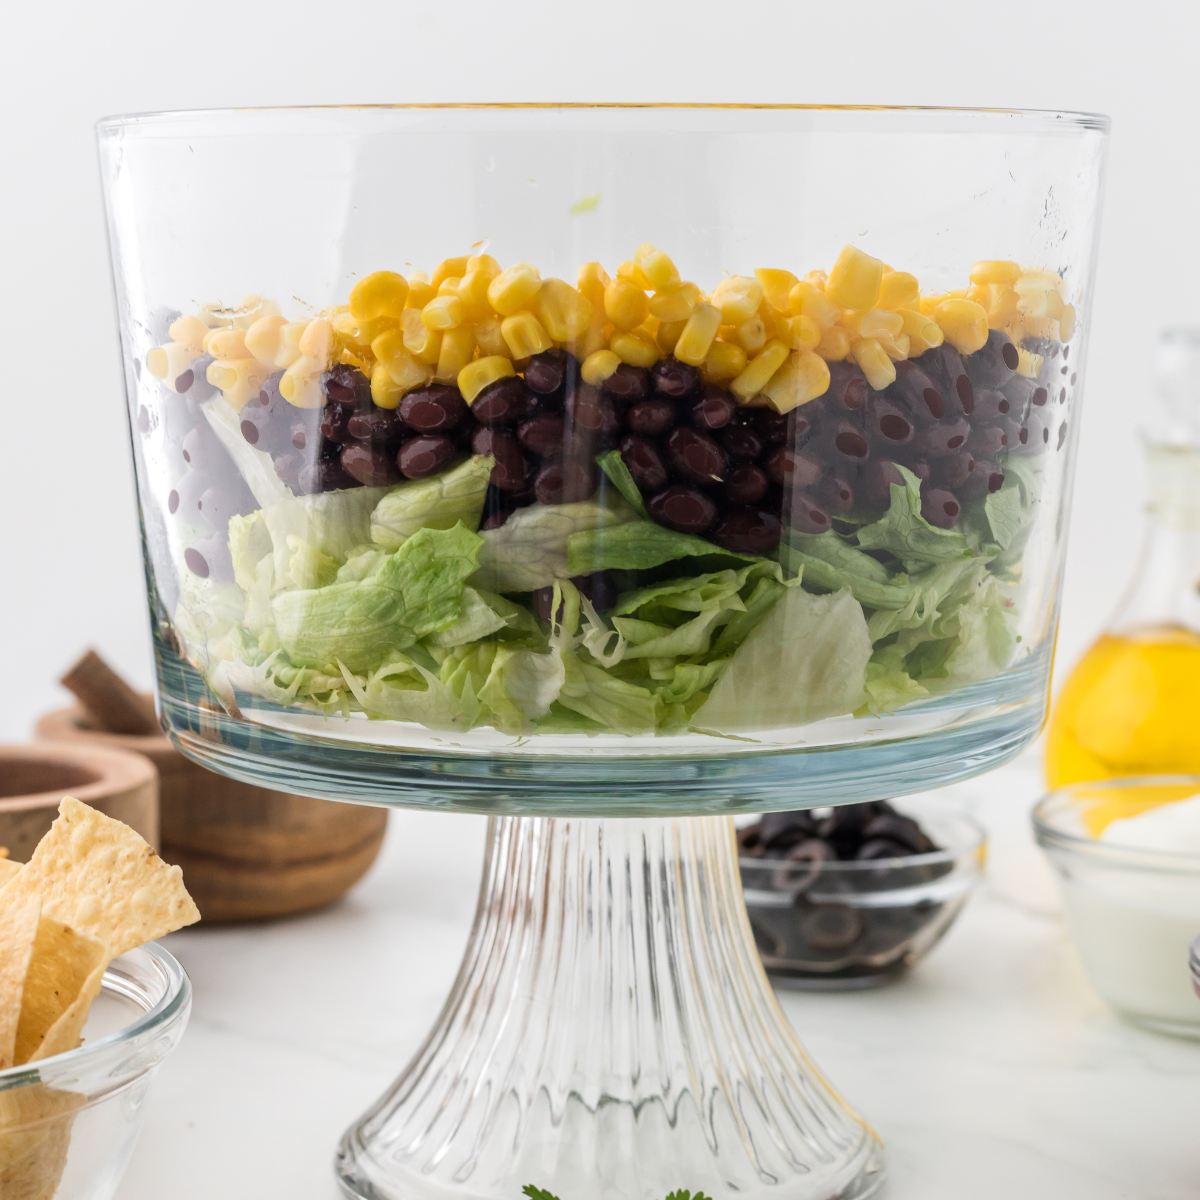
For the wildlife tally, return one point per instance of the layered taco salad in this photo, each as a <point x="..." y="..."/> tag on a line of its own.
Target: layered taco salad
<point x="482" y="497"/>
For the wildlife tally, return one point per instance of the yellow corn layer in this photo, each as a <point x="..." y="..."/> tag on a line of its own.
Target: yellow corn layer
<point x="768" y="336"/>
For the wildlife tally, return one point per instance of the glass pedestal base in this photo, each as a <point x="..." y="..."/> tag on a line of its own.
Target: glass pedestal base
<point x="611" y="1034"/>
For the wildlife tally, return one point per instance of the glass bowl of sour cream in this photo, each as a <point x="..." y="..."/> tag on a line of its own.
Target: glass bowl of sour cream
<point x="1127" y="856"/>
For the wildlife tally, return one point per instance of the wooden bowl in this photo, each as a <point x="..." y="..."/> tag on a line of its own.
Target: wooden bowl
<point x="247" y="853"/>
<point x="36" y="776"/>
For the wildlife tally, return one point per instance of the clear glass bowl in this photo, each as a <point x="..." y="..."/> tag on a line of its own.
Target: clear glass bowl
<point x="1133" y="913"/>
<point x="843" y="925"/>
<point x="801" y="518"/>
<point x="68" y="1124"/>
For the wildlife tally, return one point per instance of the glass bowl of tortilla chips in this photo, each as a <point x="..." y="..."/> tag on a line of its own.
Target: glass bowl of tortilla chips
<point x="88" y="1007"/>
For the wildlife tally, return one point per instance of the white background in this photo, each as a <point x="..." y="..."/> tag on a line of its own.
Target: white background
<point x="69" y="570"/>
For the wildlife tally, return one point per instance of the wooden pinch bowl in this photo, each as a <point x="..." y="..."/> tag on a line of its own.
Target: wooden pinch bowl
<point x="35" y="776"/>
<point x="247" y="853"/>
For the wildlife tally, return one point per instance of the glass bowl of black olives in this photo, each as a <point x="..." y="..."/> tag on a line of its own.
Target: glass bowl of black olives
<point x="854" y="896"/>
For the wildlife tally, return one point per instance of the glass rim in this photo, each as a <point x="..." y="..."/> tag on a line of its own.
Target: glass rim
<point x="974" y="839"/>
<point x="169" y="1008"/>
<point x="1050" y="834"/>
<point x="1049" y="118"/>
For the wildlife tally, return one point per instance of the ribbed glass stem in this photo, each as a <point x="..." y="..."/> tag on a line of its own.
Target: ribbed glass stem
<point x="611" y="1033"/>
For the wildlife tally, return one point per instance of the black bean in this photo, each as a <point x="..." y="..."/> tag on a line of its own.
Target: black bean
<point x="650" y="418"/>
<point x="953" y="470"/>
<point x="593" y="412"/>
<point x="849" y="443"/>
<point x="546" y="373"/>
<point x="345" y="385"/>
<point x="334" y="421"/>
<point x="600" y="587"/>
<point x="990" y="405"/>
<point x="741" y="443"/>
<point x="495" y="518"/>
<point x="503" y="402"/>
<point x="196" y="562"/>
<point x="373" y="424"/>
<point x="714" y="409"/>
<point x="645" y="463"/>
<point x="627" y="384"/>
<point x="252" y="430"/>
<point x="695" y="457"/>
<point x="940" y="507"/>
<point x="674" y="379"/>
<point x="945" y="437"/>
<point x="792" y="468"/>
<point x="1062" y="436"/>
<point x="543" y="435"/>
<point x="370" y="465"/>
<point x="565" y="481"/>
<point x="426" y="455"/>
<point x="985" y="477"/>
<point x="510" y="472"/>
<point x="1034" y="435"/>
<point x="325" y="475"/>
<point x="917" y="393"/>
<point x="889" y="422"/>
<point x="745" y="484"/>
<point x="748" y="531"/>
<point x="880" y="477"/>
<point x="989" y="441"/>
<point x="994" y="362"/>
<point x="1021" y="393"/>
<point x="683" y="509"/>
<point x="776" y="429"/>
<point x="836" y="494"/>
<point x="806" y="517"/>
<point x="433" y="409"/>
<point x="848" y="388"/>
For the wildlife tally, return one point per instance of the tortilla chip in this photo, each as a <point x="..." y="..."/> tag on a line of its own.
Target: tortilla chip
<point x="8" y="870"/>
<point x="35" y="1135"/>
<point x="67" y="1031"/>
<point x="3" y="851"/>
<point x="102" y="879"/>
<point x="18" y="934"/>
<point x="63" y="962"/>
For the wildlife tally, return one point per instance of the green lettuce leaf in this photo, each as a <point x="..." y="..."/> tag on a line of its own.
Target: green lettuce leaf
<point x="505" y="686"/>
<point x="606" y="700"/>
<point x="829" y="564"/>
<point x="529" y="551"/>
<point x="889" y="686"/>
<point x="414" y="592"/>
<point x="902" y="530"/>
<point x="437" y="503"/>
<point x="637" y="546"/>
<point x="613" y="465"/>
<point x="805" y="661"/>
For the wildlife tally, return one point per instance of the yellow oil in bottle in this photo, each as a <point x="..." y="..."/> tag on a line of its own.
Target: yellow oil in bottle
<point x="1130" y="707"/>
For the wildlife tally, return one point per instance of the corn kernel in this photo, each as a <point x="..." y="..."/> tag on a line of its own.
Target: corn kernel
<point x="596" y="337"/>
<point x="514" y="290"/>
<point x="380" y="294"/>
<point x="738" y="298"/>
<point x="806" y="299"/>
<point x="698" y="334"/>
<point x="923" y="332"/>
<point x="484" y="264"/>
<point x="668" y="335"/>
<point x="489" y="338"/>
<point x="898" y="289"/>
<point x="751" y="335"/>
<point x="1045" y="280"/>
<point x="1034" y="299"/>
<point x="874" y="362"/>
<point x="803" y="333"/>
<point x="897" y="348"/>
<point x="262" y="339"/>
<point x="169" y="362"/>
<point x="1066" y="323"/>
<point x="598" y="366"/>
<point x="634" y="349"/>
<point x="419" y="339"/>
<point x="834" y="345"/>
<point x="1029" y="364"/>
<point x="405" y="371"/>
<point x="239" y="379"/>
<point x="524" y="335"/>
<point x="592" y="281"/>
<point x="1036" y="327"/>
<point x="226" y="343"/>
<point x="420" y="292"/>
<point x="457" y="349"/>
<point x="385" y="392"/>
<point x="250" y="308"/>
<point x="775" y="324"/>
<point x="991" y="271"/>
<point x="758" y="371"/>
<point x="660" y="272"/>
<point x="803" y="377"/>
<point x="317" y="340"/>
<point x="625" y="304"/>
<point x="855" y="279"/>
<point x="472" y="291"/>
<point x="563" y="312"/>
<point x="442" y="313"/>
<point x="964" y="323"/>
<point x="875" y="323"/>
<point x="777" y="286"/>
<point x="289" y="343"/>
<point x="675" y="303"/>
<point x="449" y="287"/>
<point x="190" y="332"/>
<point x="632" y="273"/>
<point x="483" y="372"/>
<point x="1001" y="304"/>
<point x="725" y="361"/>
<point x="449" y="268"/>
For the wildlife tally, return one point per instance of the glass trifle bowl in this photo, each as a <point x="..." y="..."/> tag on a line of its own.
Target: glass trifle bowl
<point x="606" y="469"/>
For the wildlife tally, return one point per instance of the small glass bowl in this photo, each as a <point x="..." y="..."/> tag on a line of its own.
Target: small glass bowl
<point x="850" y="925"/>
<point x="68" y="1124"/>
<point x="1132" y="912"/>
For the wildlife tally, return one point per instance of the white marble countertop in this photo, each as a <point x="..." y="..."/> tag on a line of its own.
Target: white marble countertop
<point x="992" y="1072"/>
